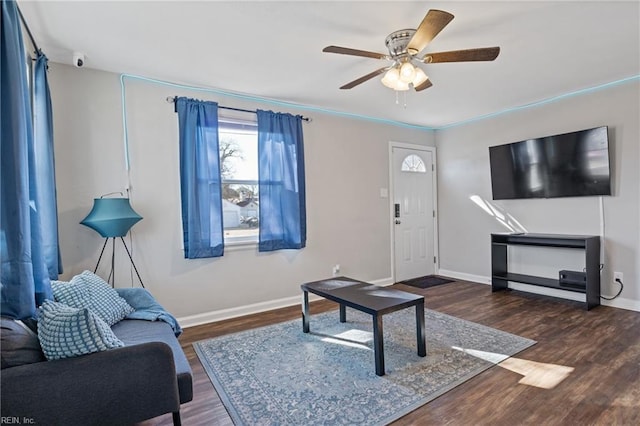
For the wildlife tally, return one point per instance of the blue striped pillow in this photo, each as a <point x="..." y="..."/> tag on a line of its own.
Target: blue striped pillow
<point x="66" y="332"/>
<point x="88" y="290"/>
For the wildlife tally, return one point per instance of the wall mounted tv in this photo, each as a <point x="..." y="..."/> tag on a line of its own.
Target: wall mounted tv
<point x="567" y="165"/>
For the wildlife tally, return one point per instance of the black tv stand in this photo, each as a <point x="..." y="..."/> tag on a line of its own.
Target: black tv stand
<point x="500" y="276"/>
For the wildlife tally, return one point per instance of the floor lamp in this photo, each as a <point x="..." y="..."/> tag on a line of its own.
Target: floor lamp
<point x="112" y="218"/>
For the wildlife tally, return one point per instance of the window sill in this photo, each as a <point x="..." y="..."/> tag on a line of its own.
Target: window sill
<point x="231" y="245"/>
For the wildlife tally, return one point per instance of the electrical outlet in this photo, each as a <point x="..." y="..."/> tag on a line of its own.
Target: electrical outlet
<point x="618" y="276"/>
<point x="336" y="270"/>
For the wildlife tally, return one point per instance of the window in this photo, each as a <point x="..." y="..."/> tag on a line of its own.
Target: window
<point x="238" y="139"/>
<point x="276" y="215"/>
<point x="413" y="163"/>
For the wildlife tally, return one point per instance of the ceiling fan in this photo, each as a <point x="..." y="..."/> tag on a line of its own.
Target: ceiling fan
<point x="404" y="48"/>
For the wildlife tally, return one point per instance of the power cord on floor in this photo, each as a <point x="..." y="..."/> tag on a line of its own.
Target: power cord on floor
<point x="619" y="291"/>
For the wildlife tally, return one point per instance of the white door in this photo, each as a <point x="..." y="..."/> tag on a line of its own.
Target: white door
<point x="413" y="212"/>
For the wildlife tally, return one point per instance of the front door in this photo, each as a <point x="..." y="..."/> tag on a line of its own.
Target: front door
<point x="413" y="212"/>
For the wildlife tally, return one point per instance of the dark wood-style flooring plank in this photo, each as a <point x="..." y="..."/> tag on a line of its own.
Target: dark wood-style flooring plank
<point x="602" y="345"/>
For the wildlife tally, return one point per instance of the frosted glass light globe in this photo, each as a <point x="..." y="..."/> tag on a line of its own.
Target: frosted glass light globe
<point x="407" y="72"/>
<point x="419" y="78"/>
<point x="392" y="75"/>
<point x="401" y="86"/>
<point x="390" y="78"/>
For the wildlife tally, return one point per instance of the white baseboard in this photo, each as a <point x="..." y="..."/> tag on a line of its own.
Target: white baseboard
<point x="464" y="276"/>
<point x="628" y="304"/>
<point x="383" y="282"/>
<point x="223" y="314"/>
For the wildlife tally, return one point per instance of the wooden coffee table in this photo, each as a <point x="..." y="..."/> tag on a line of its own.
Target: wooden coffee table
<point x="368" y="298"/>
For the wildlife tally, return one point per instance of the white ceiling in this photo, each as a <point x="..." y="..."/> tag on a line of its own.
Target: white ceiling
<point x="274" y="49"/>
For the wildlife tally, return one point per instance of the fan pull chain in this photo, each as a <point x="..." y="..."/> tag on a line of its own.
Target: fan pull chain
<point x="404" y="102"/>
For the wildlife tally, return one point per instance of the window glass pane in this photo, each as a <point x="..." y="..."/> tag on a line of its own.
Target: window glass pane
<point x="239" y="154"/>
<point x="239" y="170"/>
<point x="413" y="163"/>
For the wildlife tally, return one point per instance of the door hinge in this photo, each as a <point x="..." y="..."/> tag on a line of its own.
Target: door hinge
<point x="434" y="213"/>
<point x="434" y="259"/>
<point x="433" y="168"/>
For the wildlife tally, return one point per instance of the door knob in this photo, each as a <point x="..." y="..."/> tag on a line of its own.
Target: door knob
<point x="397" y="222"/>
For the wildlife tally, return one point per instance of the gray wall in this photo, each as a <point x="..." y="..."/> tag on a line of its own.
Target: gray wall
<point x="346" y="165"/>
<point x="348" y="222"/>
<point x="463" y="172"/>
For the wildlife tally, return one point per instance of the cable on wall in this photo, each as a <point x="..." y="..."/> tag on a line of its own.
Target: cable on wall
<point x="602" y="240"/>
<point x="618" y="293"/>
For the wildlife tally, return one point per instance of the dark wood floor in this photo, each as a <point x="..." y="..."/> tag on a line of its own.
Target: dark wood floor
<point x="603" y="345"/>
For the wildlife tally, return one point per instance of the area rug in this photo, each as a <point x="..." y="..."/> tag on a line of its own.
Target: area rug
<point x="426" y="282"/>
<point x="278" y="375"/>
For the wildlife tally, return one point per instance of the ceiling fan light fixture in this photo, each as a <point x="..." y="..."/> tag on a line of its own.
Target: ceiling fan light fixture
<point x="419" y="78"/>
<point x="391" y="77"/>
<point x="407" y="72"/>
<point x="401" y="86"/>
<point x="404" y="46"/>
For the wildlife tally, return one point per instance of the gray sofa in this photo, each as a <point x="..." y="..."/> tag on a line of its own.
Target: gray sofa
<point x="147" y="378"/>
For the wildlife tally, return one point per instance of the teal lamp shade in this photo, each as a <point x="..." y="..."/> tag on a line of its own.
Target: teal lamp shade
<point x="111" y="217"/>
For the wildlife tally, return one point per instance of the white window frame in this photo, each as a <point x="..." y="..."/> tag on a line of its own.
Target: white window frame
<point x="239" y="119"/>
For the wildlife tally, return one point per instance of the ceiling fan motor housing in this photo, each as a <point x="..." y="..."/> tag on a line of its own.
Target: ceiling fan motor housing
<point x="397" y="43"/>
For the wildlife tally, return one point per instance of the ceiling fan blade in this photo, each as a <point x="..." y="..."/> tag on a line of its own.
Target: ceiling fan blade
<point x="354" y="52"/>
<point x="425" y="85"/>
<point x="364" y="78"/>
<point x="434" y="21"/>
<point x="481" y="54"/>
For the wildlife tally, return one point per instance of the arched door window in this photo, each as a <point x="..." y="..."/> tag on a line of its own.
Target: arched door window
<point x="413" y="163"/>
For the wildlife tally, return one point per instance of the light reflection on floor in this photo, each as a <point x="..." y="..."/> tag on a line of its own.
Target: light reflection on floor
<point x="539" y="374"/>
<point x="352" y="338"/>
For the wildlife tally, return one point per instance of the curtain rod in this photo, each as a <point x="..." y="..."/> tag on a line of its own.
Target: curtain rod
<point x="172" y="99"/>
<point x="26" y="27"/>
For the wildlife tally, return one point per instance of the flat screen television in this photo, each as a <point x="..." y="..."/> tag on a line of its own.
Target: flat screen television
<point x="568" y="165"/>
